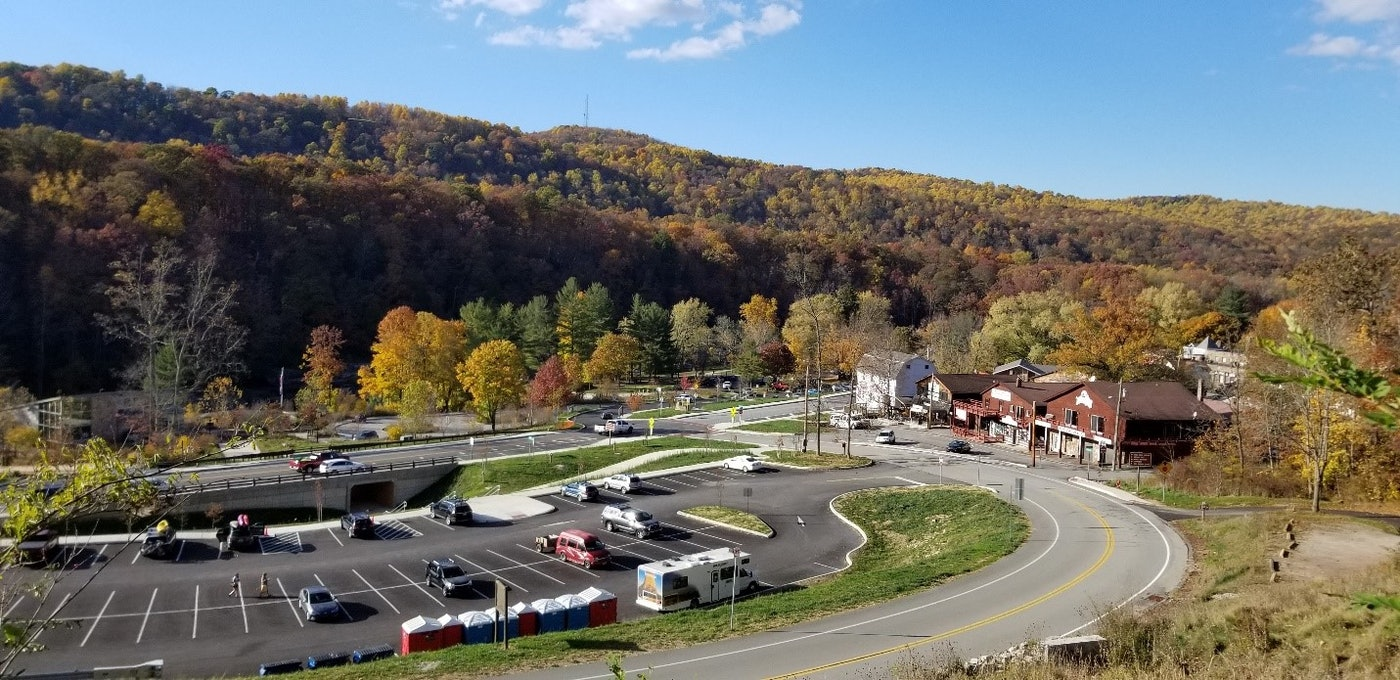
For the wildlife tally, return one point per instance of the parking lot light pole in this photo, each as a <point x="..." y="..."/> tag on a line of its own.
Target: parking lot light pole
<point x="733" y="585"/>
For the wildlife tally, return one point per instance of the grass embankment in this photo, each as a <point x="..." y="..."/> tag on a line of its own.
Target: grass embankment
<point x="1229" y="621"/>
<point x="507" y="475"/>
<point x="782" y="426"/>
<point x="1153" y="490"/>
<point x="731" y="517"/>
<point x="919" y="537"/>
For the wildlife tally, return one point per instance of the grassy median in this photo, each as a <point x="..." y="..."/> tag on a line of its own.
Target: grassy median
<point x="918" y="538"/>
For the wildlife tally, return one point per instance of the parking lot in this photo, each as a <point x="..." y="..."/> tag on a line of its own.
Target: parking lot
<point x="181" y="610"/>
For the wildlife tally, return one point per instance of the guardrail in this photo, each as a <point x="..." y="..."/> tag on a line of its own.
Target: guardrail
<point x="408" y="440"/>
<point x="298" y="477"/>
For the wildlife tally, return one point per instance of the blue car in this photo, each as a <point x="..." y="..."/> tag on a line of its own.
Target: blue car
<point x="579" y="491"/>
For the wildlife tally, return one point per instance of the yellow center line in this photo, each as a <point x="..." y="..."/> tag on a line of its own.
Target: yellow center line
<point x="1103" y="559"/>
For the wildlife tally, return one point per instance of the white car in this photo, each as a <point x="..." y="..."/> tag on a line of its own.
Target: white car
<point x="339" y="465"/>
<point x="616" y="426"/>
<point x="623" y="483"/>
<point x="743" y="464"/>
<point x="885" y="437"/>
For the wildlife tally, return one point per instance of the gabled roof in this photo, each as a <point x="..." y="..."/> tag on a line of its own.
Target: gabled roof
<point x="1021" y="365"/>
<point x="1162" y="400"/>
<point x="1037" y="392"/>
<point x="884" y="358"/>
<point x="963" y="385"/>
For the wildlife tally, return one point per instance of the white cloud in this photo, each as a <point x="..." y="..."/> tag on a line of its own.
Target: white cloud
<point x="1359" y="11"/>
<point x="692" y="29"/>
<point x="1371" y="32"/>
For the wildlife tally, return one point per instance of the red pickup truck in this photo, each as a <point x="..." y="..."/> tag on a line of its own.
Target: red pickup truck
<point x="577" y="546"/>
<point x="309" y="464"/>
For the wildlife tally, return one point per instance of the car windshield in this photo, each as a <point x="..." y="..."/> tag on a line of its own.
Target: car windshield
<point x="318" y="597"/>
<point x="592" y="543"/>
<point x="642" y="516"/>
<point x="452" y="571"/>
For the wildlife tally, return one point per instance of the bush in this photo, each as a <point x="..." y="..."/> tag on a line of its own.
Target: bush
<point x="394" y="432"/>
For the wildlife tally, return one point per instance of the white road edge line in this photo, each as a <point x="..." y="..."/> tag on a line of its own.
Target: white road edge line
<point x="147" y="617"/>
<point x="96" y="620"/>
<point x="376" y="591"/>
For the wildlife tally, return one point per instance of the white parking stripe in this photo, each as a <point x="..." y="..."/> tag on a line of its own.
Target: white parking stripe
<point x="417" y="585"/>
<point x="13" y="606"/>
<point x="194" y="630"/>
<point x="178" y="555"/>
<point x="93" y="626"/>
<point x="295" y="614"/>
<point x="243" y="606"/>
<point x="494" y="575"/>
<point x="526" y="566"/>
<point x="333" y="534"/>
<point x="376" y="592"/>
<point x="147" y="617"/>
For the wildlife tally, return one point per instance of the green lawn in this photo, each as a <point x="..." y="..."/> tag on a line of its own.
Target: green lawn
<point x="919" y="537"/>
<point x="524" y="472"/>
<point x="738" y="519"/>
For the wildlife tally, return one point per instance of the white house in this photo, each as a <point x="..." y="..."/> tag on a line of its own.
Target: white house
<point x="886" y="379"/>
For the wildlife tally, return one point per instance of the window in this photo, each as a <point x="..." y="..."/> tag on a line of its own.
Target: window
<point x="1018" y="411"/>
<point x="1071" y="417"/>
<point x="1096" y="424"/>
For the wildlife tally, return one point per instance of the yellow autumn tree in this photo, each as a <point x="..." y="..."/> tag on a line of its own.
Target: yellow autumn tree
<point x="160" y="213"/>
<point x="414" y="346"/>
<point x="494" y="375"/>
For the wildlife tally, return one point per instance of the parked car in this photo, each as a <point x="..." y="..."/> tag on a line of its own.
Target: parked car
<point x="448" y="576"/>
<point x="615" y="426"/>
<point x="335" y="467"/>
<point x="574" y="545"/>
<point x="309" y="464"/>
<point x="623" y="483"/>
<point x="358" y="525"/>
<point x="452" y="510"/>
<point x="160" y="541"/>
<point x="885" y="437"/>
<point x="241" y="534"/>
<point x="318" y="604"/>
<point x="743" y="464"/>
<point x="39" y="548"/>
<point x="579" y="491"/>
<point x="636" y="521"/>
<point x="958" y="446"/>
<point x="846" y="421"/>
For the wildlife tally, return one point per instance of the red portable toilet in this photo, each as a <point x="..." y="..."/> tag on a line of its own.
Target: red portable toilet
<point x="451" y="630"/>
<point x="602" y="607"/>
<point x="421" y="634"/>
<point x="529" y="619"/>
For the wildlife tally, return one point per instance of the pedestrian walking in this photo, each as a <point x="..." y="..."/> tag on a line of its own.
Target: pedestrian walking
<point x="262" y="586"/>
<point x="233" y="585"/>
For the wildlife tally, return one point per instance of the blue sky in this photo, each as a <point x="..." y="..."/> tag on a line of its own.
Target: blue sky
<point x="1295" y="101"/>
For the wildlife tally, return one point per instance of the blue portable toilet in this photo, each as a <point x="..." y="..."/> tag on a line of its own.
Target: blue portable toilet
<point x="575" y="610"/>
<point x="552" y="615"/>
<point x="510" y="622"/>
<point x="477" y="627"/>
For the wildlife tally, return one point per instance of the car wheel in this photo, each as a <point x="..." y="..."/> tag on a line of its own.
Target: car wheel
<point x="695" y="603"/>
<point x="608" y="526"/>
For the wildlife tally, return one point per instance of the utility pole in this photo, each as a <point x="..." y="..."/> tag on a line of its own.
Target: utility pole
<point x="1117" y="419"/>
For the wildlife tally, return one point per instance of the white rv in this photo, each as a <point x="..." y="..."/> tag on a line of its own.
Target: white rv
<point x="693" y="580"/>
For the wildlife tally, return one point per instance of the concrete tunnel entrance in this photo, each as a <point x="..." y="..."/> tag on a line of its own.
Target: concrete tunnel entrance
<point x="372" y="496"/>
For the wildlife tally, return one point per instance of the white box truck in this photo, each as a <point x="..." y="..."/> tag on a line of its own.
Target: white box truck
<point x="693" y="580"/>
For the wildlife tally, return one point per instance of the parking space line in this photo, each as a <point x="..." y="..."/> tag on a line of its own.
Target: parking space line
<point x="660" y="486"/>
<point x="417" y="585"/>
<point x="194" y="630"/>
<point x="96" y="620"/>
<point x="14" y="606"/>
<point x="673" y="480"/>
<point x="333" y="535"/>
<point x="376" y="592"/>
<point x="178" y="554"/>
<point x="137" y="556"/>
<point x="295" y="614"/>
<point x="493" y="574"/>
<point x="703" y="531"/>
<point x="147" y="617"/>
<point x="537" y="571"/>
<point x="243" y="606"/>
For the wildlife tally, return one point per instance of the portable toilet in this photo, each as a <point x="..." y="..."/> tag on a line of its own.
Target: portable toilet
<point x="529" y="619"/>
<point x="551" y="615"/>
<point x="421" y="634"/>
<point x="477" y="627"/>
<point x="509" y="624"/>
<point x="575" y="611"/>
<point x="602" y="607"/>
<point x="451" y="630"/>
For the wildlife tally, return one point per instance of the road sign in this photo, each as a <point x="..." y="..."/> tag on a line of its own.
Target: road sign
<point x="1139" y="459"/>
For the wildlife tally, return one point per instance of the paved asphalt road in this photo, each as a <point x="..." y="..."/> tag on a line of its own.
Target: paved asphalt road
<point x="1086" y="555"/>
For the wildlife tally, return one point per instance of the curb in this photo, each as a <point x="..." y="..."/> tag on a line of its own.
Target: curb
<point x="771" y="531"/>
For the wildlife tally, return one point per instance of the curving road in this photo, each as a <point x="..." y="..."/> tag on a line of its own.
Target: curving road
<point x="1087" y="554"/>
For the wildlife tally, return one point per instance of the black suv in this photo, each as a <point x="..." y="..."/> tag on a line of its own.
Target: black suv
<point x="445" y="574"/>
<point x="452" y="511"/>
<point x="358" y="525"/>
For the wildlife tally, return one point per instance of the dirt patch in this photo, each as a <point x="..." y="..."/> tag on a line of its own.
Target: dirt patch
<point x="1329" y="551"/>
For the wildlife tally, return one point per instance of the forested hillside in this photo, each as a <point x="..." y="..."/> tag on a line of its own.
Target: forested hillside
<point x="323" y="212"/>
